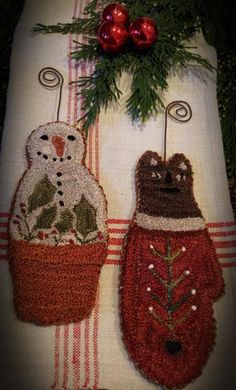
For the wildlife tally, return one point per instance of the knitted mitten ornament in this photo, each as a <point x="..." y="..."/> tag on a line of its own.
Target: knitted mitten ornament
<point x="170" y="276"/>
<point x="58" y="233"/>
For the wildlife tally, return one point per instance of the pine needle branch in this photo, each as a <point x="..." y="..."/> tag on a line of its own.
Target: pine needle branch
<point x="177" y="22"/>
<point x="86" y="51"/>
<point x="78" y="26"/>
<point x="99" y="90"/>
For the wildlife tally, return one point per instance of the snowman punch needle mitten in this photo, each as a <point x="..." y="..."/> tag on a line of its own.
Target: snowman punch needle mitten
<point x="58" y="233"/>
<point x="170" y="276"/>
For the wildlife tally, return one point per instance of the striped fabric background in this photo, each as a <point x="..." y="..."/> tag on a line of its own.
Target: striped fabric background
<point x="76" y="352"/>
<point x="223" y="235"/>
<point x="77" y="358"/>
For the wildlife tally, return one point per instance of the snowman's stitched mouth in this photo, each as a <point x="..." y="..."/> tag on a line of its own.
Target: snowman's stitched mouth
<point x="170" y="190"/>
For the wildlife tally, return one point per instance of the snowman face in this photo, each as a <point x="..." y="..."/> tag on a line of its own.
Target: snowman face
<point x="54" y="144"/>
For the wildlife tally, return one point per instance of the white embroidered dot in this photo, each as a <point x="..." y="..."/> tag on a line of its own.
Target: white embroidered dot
<point x="150" y="308"/>
<point x="183" y="249"/>
<point x="193" y="291"/>
<point x="194" y="308"/>
<point x="148" y="289"/>
<point x="178" y="177"/>
<point x="187" y="272"/>
<point x="153" y="161"/>
<point x="153" y="174"/>
<point x="183" y="166"/>
<point x="151" y="266"/>
<point x="151" y="246"/>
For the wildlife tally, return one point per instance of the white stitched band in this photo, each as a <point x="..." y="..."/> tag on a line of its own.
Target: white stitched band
<point x="172" y="224"/>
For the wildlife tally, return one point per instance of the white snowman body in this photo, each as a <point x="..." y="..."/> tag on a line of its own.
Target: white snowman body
<point x="53" y="186"/>
<point x="58" y="235"/>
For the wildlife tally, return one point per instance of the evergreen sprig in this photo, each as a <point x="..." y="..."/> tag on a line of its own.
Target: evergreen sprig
<point x="227" y="105"/>
<point x="177" y="22"/>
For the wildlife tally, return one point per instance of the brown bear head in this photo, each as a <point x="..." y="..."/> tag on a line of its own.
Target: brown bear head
<point x="165" y="188"/>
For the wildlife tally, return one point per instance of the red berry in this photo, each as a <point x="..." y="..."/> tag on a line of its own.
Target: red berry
<point x="115" y="13"/>
<point x="71" y="242"/>
<point x="40" y="235"/>
<point x="100" y="236"/>
<point x="143" y="32"/>
<point x="16" y="222"/>
<point x="112" y="36"/>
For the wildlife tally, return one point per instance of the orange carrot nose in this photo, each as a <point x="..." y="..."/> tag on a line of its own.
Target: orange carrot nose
<point x="59" y="144"/>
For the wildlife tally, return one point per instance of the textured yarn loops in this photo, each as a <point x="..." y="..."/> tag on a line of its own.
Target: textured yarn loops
<point x="58" y="232"/>
<point x="170" y="276"/>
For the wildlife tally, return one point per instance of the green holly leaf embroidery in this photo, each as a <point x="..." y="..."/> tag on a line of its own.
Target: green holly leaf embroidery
<point x="42" y="194"/>
<point x="65" y="222"/>
<point x="46" y="218"/>
<point x="85" y="217"/>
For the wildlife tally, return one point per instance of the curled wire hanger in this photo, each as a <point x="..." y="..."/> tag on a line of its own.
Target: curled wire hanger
<point x="51" y="78"/>
<point x="182" y="113"/>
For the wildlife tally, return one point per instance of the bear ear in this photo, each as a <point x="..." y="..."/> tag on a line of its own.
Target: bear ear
<point x="179" y="161"/>
<point x="149" y="160"/>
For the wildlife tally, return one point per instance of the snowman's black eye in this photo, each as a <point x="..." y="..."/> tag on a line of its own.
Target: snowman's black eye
<point x="44" y="137"/>
<point x="71" y="138"/>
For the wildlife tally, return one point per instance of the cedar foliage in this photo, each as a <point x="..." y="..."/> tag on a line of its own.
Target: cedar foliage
<point x="177" y="21"/>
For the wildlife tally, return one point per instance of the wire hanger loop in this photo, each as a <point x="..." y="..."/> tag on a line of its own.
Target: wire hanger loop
<point x="178" y="110"/>
<point x="51" y="78"/>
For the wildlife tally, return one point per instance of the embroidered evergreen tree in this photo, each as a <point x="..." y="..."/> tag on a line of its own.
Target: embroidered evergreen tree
<point x="170" y="283"/>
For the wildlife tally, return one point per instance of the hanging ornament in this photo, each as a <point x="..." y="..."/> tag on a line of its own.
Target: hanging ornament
<point x="112" y="36"/>
<point x="143" y="32"/>
<point x="115" y="13"/>
<point x="170" y="274"/>
<point x="58" y="233"/>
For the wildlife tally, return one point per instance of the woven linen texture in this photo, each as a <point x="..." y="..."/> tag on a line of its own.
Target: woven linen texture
<point x="91" y="354"/>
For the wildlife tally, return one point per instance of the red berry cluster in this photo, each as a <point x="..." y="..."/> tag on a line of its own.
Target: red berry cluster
<point x="114" y="30"/>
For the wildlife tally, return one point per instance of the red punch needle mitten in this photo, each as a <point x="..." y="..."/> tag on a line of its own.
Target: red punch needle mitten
<point x="170" y="276"/>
